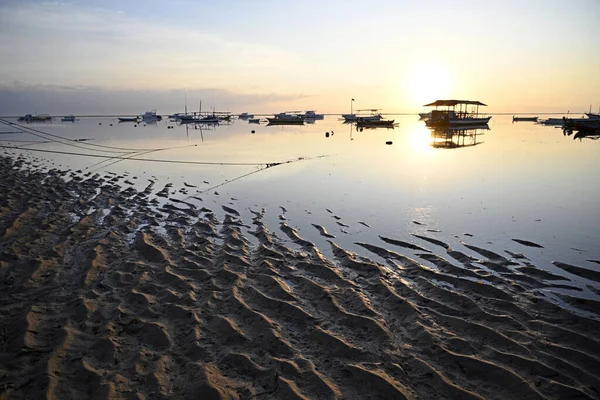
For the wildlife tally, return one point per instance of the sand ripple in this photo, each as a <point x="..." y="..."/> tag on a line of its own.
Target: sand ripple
<point x="102" y="304"/>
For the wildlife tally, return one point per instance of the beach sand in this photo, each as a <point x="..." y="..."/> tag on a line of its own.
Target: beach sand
<point x="106" y="295"/>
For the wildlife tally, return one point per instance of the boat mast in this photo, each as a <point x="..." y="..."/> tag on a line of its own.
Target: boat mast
<point x="351" y="101"/>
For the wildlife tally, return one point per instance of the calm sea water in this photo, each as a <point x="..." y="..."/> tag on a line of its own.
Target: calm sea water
<point x="513" y="181"/>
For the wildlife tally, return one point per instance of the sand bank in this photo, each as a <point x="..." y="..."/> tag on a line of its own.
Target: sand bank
<point x="105" y="294"/>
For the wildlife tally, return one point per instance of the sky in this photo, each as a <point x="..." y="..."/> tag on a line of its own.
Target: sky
<point x="264" y="56"/>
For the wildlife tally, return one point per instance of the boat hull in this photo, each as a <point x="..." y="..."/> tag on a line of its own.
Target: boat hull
<point x="286" y="121"/>
<point x="525" y="119"/>
<point x="459" y="122"/>
<point x="366" y="122"/>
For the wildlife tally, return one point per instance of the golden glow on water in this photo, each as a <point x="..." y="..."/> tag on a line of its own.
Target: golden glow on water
<point x="419" y="140"/>
<point x="427" y="82"/>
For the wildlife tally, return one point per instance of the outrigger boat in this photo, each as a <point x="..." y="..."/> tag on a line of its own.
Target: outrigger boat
<point x="374" y="116"/>
<point x="450" y="115"/>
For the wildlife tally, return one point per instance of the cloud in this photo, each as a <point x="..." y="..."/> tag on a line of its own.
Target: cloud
<point x="68" y="44"/>
<point x="19" y="98"/>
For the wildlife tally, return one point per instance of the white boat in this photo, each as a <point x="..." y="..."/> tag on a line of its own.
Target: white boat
<point x="68" y="118"/>
<point x="456" y="113"/>
<point x="151" y="116"/>
<point x="311" y="114"/>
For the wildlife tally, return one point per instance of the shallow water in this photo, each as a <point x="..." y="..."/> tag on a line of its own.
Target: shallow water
<point x="520" y="181"/>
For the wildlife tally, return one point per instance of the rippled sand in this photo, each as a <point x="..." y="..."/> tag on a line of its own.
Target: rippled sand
<point x="105" y="294"/>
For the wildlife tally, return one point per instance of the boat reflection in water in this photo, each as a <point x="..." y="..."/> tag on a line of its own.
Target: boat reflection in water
<point x="455" y="137"/>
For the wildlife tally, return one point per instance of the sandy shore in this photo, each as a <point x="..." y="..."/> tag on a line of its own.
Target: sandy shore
<point x="103" y="294"/>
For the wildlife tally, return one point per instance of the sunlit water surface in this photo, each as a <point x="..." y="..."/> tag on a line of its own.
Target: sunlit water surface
<point x="519" y="180"/>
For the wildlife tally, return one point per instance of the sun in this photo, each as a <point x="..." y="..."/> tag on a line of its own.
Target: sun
<point x="428" y="82"/>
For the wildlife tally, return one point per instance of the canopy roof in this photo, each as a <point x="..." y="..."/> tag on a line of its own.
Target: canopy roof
<point x="451" y="103"/>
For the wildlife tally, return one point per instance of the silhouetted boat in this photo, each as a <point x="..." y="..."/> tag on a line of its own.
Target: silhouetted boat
<point x="451" y="116"/>
<point x="552" y="121"/>
<point x="425" y="115"/>
<point x="35" y="118"/>
<point x="523" y="119"/>
<point x="591" y="115"/>
<point x="151" y="116"/>
<point x="245" y="116"/>
<point x="287" y="118"/>
<point x="311" y="114"/>
<point x="254" y="120"/>
<point x="276" y="121"/>
<point x="360" y="122"/>
<point x="68" y="118"/>
<point x="129" y="119"/>
<point x="374" y="116"/>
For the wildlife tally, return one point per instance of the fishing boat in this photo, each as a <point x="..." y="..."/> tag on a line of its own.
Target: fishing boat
<point x="374" y="115"/>
<point x="593" y="116"/>
<point x="552" y="121"/>
<point x="129" y="119"/>
<point x="362" y="122"/>
<point x="68" y="118"/>
<point x="35" y="118"/>
<point x="456" y="113"/>
<point x="524" y="119"/>
<point x="311" y="114"/>
<point x="151" y="116"/>
<point x="286" y="119"/>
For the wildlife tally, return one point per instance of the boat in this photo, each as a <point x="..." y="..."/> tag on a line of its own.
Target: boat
<point x="35" y="118"/>
<point x="68" y="118"/>
<point x="552" y="121"/>
<point x="456" y="113"/>
<point x="425" y="115"/>
<point x="362" y="122"/>
<point x="287" y="117"/>
<point x="374" y="116"/>
<point x="129" y="119"/>
<point x="582" y="124"/>
<point x="245" y="115"/>
<point x="151" y="116"/>
<point x="593" y="116"/>
<point x="311" y="114"/>
<point x="254" y="120"/>
<point x="524" y="119"/>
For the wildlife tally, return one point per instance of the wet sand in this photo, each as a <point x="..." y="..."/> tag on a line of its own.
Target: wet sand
<point x="104" y="293"/>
